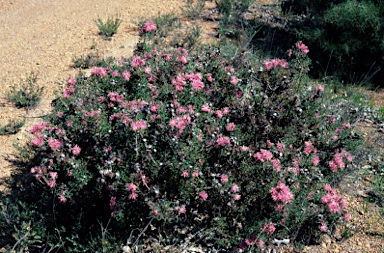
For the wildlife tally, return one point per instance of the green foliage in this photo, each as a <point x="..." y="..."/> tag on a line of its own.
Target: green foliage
<point x="108" y="28"/>
<point x="12" y="127"/>
<point x="193" y="8"/>
<point x="166" y="23"/>
<point x="27" y="94"/>
<point x="346" y="37"/>
<point x="91" y="60"/>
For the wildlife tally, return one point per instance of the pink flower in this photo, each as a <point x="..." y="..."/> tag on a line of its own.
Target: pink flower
<point x="236" y="196"/>
<point x="315" y="161"/>
<point x="147" y="70"/>
<point x="269" y="228"/>
<point x="226" y="110"/>
<point x="54" y="143"/>
<point x="276" y="164"/>
<point x="137" y="61"/>
<point x="260" y="243"/>
<point x="263" y="155"/>
<point x="62" y="198"/>
<point x="234" y="188"/>
<point x="53" y="175"/>
<point x="223" y="140"/>
<point x="101" y="72"/>
<point x="243" y="148"/>
<point x="68" y="92"/>
<point x="76" y="150"/>
<point x="203" y="195"/>
<point x="115" y="73"/>
<point x="332" y="166"/>
<point x="185" y="173"/>
<point x="219" y="114"/>
<point x="126" y="75"/>
<point x="139" y="125"/>
<point x="149" y="26"/>
<point x="346" y="125"/>
<point x="319" y="87"/>
<point x="303" y="48"/>
<point x="234" y="80"/>
<point x="230" y="127"/>
<point x="224" y="178"/>
<point x="179" y="82"/>
<point x="347" y="216"/>
<point x="51" y="183"/>
<point x="197" y="85"/>
<point x="38" y="127"/>
<point x="270" y="144"/>
<point x="281" y="193"/>
<point x="280" y="146"/>
<point x="309" y="148"/>
<point x="268" y="64"/>
<point x="133" y="195"/>
<point x="131" y="187"/>
<point x="38" y="142"/>
<point x="182" y="209"/>
<point x="229" y="69"/>
<point x="323" y="227"/>
<point x="195" y="173"/>
<point x="71" y="81"/>
<point x="209" y="77"/>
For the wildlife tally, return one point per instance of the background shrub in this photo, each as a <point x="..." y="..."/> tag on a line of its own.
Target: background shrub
<point x="345" y="37"/>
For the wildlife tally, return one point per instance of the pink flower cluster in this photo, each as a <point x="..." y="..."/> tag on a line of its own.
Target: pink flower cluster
<point x="137" y="61"/>
<point x="183" y="55"/>
<point x="251" y="241"/>
<point x="138" y="125"/>
<point x="275" y="63"/>
<point x="334" y="201"/>
<point x="337" y="160"/>
<point x="303" y="48"/>
<point x="76" y="150"/>
<point x="263" y="155"/>
<point x="149" y="26"/>
<point x="180" y="122"/>
<point x="203" y="195"/>
<point x="179" y="82"/>
<point x="38" y="127"/>
<point x="68" y="91"/>
<point x="309" y="148"/>
<point x="223" y="140"/>
<point x="132" y="188"/>
<point x="115" y="97"/>
<point x="196" y="81"/>
<point x="100" y="72"/>
<point x="281" y="193"/>
<point x="268" y="228"/>
<point x="54" y="144"/>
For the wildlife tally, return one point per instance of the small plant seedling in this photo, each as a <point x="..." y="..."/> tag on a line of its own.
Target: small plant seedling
<point x="193" y="10"/>
<point x="27" y="94"/>
<point x="108" y="28"/>
<point x="11" y="128"/>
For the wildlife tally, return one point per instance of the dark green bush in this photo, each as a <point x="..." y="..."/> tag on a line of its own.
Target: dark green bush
<point x="345" y="37"/>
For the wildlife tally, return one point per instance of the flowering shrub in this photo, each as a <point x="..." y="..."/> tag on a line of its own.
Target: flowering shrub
<point x="188" y="142"/>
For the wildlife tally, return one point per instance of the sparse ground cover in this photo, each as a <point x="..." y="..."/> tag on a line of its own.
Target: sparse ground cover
<point x="164" y="106"/>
